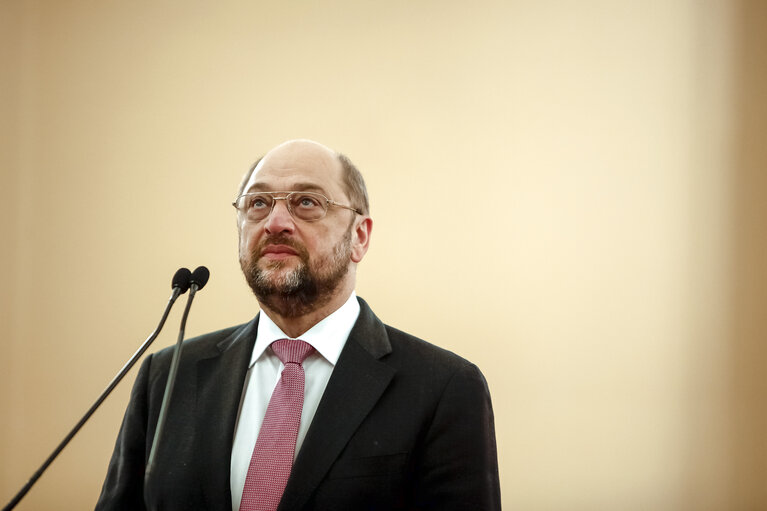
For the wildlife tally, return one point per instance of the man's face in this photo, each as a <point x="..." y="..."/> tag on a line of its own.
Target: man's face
<point x="294" y="266"/>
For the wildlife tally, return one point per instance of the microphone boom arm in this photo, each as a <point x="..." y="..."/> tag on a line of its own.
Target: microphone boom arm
<point x="120" y="375"/>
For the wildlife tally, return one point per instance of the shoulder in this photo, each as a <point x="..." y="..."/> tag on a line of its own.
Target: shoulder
<point x="413" y="354"/>
<point x="423" y="351"/>
<point x="207" y="345"/>
<point x="407" y="353"/>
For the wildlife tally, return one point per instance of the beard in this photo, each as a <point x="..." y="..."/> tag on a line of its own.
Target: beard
<point x="302" y="289"/>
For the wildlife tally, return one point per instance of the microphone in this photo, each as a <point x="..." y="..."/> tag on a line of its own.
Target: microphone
<point x="182" y="281"/>
<point x="197" y="280"/>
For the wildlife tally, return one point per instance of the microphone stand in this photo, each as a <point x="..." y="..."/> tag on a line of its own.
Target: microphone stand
<point x="32" y="480"/>
<point x="198" y="280"/>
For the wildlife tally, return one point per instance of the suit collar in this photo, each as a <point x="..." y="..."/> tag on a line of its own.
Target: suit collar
<point x="370" y="333"/>
<point x="244" y="334"/>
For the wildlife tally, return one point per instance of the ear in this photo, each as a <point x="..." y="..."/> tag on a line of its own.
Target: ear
<point x="361" y="238"/>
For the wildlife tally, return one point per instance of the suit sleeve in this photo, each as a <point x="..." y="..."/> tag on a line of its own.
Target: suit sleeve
<point x="458" y="468"/>
<point x="124" y="485"/>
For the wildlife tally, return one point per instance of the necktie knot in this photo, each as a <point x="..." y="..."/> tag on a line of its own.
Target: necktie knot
<point x="292" y="350"/>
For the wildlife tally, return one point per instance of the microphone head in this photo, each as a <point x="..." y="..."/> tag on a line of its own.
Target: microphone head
<point x="182" y="280"/>
<point x="200" y="277"/>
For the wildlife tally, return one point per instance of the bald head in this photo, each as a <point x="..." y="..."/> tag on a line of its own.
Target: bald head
<point x="294" y="156"/>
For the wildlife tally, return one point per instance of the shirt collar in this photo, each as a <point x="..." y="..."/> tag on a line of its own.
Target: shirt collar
<point x="328" y="336"/>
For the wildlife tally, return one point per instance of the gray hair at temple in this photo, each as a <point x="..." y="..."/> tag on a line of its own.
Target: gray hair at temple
<point x="353" y="183"/>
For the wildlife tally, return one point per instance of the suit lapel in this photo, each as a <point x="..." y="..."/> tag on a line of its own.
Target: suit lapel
<point x="356" y="384"/>
<point x="220" y="380"/>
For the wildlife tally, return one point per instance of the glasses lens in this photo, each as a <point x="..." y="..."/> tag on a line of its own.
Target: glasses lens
<point x="255" y="205"/>
<point x="307" y="205"/>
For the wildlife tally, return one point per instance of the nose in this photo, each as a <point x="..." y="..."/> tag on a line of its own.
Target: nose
<point x="279" y="219"/>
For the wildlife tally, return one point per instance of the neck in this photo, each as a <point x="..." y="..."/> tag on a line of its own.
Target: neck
<point x="295" y="326"/>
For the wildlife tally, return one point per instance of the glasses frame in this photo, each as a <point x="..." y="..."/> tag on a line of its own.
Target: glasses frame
<point x="286" y="195"/>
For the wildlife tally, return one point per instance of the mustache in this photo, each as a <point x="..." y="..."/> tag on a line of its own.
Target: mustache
<point x="280" y="239"/>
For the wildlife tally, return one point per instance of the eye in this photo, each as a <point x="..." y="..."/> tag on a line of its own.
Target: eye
<point x="306" y="201"/>
<point x="257" y="202"/>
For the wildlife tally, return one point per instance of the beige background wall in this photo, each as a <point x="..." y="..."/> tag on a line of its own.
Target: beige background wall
<point x="570" y="194"/>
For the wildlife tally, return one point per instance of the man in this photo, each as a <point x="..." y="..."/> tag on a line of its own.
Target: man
<point x="367" y="417"/>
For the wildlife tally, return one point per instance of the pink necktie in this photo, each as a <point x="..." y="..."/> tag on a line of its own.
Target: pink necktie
<point x="276" y="444"/>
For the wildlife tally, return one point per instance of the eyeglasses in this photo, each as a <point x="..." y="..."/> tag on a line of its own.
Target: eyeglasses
<point x="306" y="206"/>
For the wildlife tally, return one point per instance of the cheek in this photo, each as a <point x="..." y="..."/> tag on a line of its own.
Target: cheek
<point x="325" y="247"/>
<point x="248" y="240"/>
<point x="321" y="242"/>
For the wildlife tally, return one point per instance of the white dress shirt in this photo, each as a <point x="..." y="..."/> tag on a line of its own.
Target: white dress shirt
<point x="328" y="338"/>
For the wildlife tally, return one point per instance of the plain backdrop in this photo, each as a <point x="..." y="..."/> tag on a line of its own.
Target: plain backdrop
<point x="571" y="194"/>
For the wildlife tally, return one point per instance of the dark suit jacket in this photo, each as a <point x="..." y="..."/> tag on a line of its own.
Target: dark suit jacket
<point x="402" y="424"/>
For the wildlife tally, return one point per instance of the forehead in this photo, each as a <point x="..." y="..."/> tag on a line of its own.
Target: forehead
<point x="298" y="167"/>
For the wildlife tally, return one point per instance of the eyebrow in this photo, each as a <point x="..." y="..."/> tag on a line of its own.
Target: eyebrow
<point x="297" y="187"/>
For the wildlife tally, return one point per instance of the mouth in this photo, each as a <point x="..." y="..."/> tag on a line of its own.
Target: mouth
<point x="277" y="252"/>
